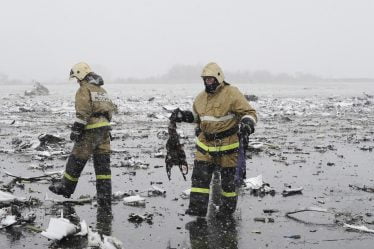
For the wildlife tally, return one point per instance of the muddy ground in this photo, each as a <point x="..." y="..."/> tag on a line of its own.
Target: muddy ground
<point x="316" y="136"/>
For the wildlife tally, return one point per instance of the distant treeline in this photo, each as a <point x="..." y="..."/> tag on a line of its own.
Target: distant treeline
<point x="188" y="73"/>
<point x="4" y="79"/>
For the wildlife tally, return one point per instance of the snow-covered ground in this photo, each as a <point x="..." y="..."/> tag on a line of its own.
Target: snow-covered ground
<point x="316" y="136"/>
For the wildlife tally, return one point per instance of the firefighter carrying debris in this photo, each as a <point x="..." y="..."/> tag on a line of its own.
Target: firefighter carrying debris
<point x="91" y="134"/>
<point x="221" y="112"/>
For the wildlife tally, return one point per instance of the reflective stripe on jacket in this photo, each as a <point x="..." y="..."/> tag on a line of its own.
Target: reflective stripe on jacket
<point x="217" y="149"/>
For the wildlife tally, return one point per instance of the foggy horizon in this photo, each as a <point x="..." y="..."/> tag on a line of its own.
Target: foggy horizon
<point x="328" y="39"/>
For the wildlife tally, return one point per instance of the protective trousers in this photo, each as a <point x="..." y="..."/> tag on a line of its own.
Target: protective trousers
<point x="200" y="190"/>
<point x="96" y="142"/>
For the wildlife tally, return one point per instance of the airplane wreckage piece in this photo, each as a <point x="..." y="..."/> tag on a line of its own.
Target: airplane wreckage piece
<point x="309" y="209"/>
<point x="6" y="218"/>
<point x="257" y="186"/>
<point x="59" y="228"/>
<point x="46" y="175"/>
<point x="80" y="201"/>
<point x="292" y="191"/>
<point x="9" y="217"/>
<point x="347" y="217"/>
<point x="134" y="200"/>
<point x="6" y="198"/>
<point x="175" y="155"/>
<point x="358" y="228"/>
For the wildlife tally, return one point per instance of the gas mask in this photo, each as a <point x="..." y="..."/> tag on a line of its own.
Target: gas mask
<point x="211" y="87"/>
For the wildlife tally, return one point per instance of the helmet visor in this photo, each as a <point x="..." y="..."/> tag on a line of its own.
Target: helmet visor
<point x="71" y="74"/>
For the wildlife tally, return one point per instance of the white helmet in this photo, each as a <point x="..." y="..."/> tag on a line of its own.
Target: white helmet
<point x="80" y="70"/>
<point x="213" y="70"/>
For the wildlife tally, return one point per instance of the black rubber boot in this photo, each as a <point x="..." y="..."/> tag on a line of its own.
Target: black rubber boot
<point x="104" y="219"/>
<point x="66" y="186"/>
<point x="194" y="212"/>
<point x="59" y="189"/>
<point x="199" y="233"/>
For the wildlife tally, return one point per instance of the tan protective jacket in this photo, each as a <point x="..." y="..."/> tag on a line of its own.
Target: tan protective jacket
<point x="92" y="103"/>
<point x="219" y="112"/>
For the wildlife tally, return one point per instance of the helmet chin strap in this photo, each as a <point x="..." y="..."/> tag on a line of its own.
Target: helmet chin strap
<point x="211" y="88"/>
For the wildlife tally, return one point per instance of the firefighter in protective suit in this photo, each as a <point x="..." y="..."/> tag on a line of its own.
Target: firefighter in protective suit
<point x="221" y="112"/>
<point x="91" y="134"/>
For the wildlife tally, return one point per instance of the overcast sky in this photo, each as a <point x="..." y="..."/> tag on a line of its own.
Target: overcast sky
<point x="42" y="39"/>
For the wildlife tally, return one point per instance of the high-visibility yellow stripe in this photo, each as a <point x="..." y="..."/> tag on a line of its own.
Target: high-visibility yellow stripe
<point x="200" y="190"/>
<point x="218" y="148"/>
<point x="228" y="194"/>
<point x="70" y="178"/>
<point x="103" y="177"/>
<point x="96" y="125"/>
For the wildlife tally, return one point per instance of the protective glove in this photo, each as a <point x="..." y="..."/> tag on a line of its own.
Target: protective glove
<point x="76" y="132"/>
<point x="178" y="116"/>
<point x="247" y="127"/>
<point x="197" y="131"/>
<point x="107" y="116"/>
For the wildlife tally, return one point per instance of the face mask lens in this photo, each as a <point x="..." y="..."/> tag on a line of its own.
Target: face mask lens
<point x="211" y="85"/>
<point x="209" y="80"/>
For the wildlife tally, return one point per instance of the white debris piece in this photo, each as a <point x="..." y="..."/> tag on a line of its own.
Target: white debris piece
<point x="134" y="163"/>
<point x="59" y="228"/>
<point x="169" y="108"/>
<point x="359" y="228"/>
<point x="134" y="200"/>
<point x="159" y="155"/>
<point x="119" y="195"/>
<point x="256" y="145"/>
<point x="159" y="116"/>
<point x="45" y="175"/>
<point x="37" y="90"/>
<point x="291" y="191"/>
<point x="106" y="242"/>
<point x="254" y="182"/>
<point x="77" y="201"/>
<point x="44" y="154"/>
<point x="158" y="191"/>
<point x="84" y="229"/>
<point x="186" y="194"/>
<point x="6" y="217"/>
<point x="8" y="198"/>
<point x="5" y="211"/>
<point x="8" y="221"/>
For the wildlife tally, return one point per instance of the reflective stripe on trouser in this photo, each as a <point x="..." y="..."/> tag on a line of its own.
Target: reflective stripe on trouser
<point x="229" y="196"/>
<point x="96" y="125"/>
<point x="73" y="170"/>
<point x="199" y="197"/>
<point x="103" y="179"/>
